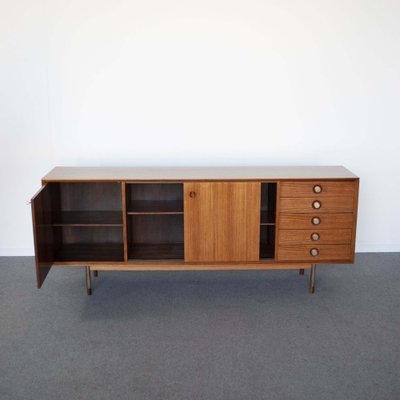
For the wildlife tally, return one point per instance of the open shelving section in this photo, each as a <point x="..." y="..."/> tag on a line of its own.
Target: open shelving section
<point x="268" y="220"/>
<point x="86" y="222"/>
<point x="155" y="221"/>
<point x="89" y="222"/>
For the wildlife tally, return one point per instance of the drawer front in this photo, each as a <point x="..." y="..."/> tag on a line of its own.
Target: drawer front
<point x="315" y="236"/>
<point x="317" y="188"/>
<point x="305" y="221"/>
<point x="316" y="204"/>
<point x="321" y="253"/>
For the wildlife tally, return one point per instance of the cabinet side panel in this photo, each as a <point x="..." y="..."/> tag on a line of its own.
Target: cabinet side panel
<point x="355" y="213"/>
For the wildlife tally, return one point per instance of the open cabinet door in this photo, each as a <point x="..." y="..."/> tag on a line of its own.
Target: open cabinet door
<point x="45" y="235"/>
<point x="222" y="221"/>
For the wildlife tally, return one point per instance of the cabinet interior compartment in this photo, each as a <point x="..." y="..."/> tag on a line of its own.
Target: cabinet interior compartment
<point x="268" y="220"/>
<point x="155" y="237"/>
<point x="155" y="221"/>
<point x="88" y="203"/>
<point x="89" y="243"/>
<point x="86" y="221"/>
<point x="154" y="198"/>
<point x="267" y="242"/>
<point x="268" y="203"/>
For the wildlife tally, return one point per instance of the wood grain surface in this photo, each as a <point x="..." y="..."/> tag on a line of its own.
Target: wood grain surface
<point x="222" y="221"/>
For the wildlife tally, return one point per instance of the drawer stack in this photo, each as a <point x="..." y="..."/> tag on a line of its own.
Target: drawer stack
<point x="316" y="221"/>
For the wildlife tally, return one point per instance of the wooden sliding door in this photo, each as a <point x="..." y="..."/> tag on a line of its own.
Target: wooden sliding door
<point x="222" y="221"/>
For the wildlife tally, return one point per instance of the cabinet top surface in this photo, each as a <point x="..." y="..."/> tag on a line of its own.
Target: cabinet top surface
<point x="78" y="174"/>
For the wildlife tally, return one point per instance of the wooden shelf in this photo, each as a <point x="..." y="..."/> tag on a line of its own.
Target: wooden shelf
<point x="267" y="218"/>
<point x="90" y="252"/>
<point x="155" y="207"/>
<point x="156" y="251"/>
<point x="88" y="218"/>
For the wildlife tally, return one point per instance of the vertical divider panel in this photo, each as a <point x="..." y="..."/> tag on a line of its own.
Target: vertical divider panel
<point x="277" y="218"/>
<point x="124" y="220"/>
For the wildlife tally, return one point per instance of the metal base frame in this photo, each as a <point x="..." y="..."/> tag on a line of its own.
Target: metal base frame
<point x="312" y="278"/>
<point x="95" y="273"/>
<point x="88" y="281"/>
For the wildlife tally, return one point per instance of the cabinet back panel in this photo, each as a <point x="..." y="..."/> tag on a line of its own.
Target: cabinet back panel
<point x="154" y="191"/>
<point x="89" y="234"/>
<point x="155" y="229"/>
<point x="267" y="242"/>
<point x="90" y="196"/>
<point x="268" y="202"/>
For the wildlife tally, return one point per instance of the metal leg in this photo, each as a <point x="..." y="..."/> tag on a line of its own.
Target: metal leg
<point x="88" y="282"/>
<point x="95" y="274"/>
<point x="301" y="271"/>
<point x="312" y="278"/>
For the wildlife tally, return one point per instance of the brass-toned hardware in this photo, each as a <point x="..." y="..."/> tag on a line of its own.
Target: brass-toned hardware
<point x="312" y="278"/>
<point x="316" y="220"/>
<point x="192" y="194"/>
<point x="317" y="189"/>
<point x="315" y="236"/>
<point x="316" y="204"/>
<point x="314" y="252"/>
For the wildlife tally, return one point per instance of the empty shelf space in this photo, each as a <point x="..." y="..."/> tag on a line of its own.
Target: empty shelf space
<point x="155" y="207"/>
<point x="266" y="251"/>
<point x="267" y="217"/>
<point x="88" y="218"/>
<point x="268" y="203"/>
<point x="154" y="198"/>
<point x="90" y="252"/>
<point x="267" y="242"/>
<point x="156" y="251"/>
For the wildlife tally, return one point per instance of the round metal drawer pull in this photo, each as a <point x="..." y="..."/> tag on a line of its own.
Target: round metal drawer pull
<point x="315" y="236"/>
<point x="314" y="252"/>
<point x="316" y="204"/>
<point x="317" y="189"/>
<point x="316" y="221"/>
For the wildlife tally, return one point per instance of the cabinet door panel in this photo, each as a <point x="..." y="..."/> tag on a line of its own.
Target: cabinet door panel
<point x="46" y="237"/>
<point x="222" y="221"/>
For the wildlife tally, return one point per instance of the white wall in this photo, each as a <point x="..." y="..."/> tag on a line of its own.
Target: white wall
<point x="211" y="82"/>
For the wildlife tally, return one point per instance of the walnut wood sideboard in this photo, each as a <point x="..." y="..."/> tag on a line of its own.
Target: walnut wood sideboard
<point x="176" y="219"/>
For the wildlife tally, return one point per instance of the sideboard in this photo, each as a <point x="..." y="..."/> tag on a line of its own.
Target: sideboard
<point x="195" y="218"/>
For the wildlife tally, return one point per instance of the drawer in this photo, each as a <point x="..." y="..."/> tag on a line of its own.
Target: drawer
<point x="315" y="221"/>
<point x="316" y="205"/>
<point x="316" y="188"/>
<point x="315" y="236"/>
<point x="326" y="252"/>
